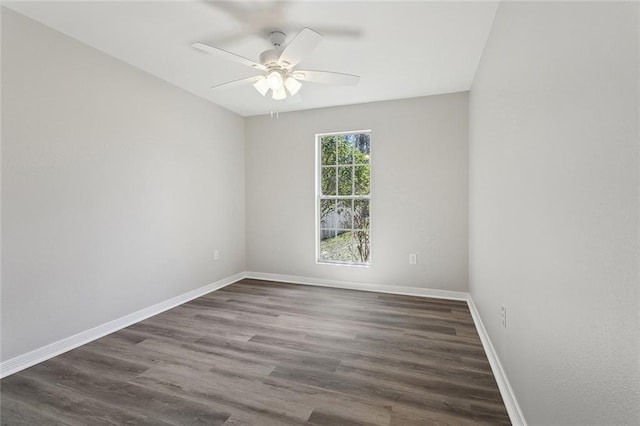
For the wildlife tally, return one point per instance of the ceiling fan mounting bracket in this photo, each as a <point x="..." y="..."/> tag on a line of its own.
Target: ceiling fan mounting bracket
<point x="277" y="39"/>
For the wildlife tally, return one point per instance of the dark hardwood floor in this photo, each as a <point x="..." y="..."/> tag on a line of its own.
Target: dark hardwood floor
<point x="264" y="353"/>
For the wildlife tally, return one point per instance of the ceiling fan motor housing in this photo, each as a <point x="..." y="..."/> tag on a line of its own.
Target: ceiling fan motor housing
<point x="270" y="57"/>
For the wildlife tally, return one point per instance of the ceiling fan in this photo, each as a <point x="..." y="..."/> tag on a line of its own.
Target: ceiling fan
<point x="278" y="65"/>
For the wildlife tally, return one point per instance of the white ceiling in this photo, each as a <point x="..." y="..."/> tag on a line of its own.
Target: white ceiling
<point x="400" y="49"/>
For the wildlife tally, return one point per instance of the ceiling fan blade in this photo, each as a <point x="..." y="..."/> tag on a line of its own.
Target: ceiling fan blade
<point x="228" y="55"/>
<point x="337" y="31"/>
<point x="230" y="38"/>
<point x="327" y="77"/>
<point x="255" y="17"/>
<point x="301" y="45"/>
<point x="237" y="83"/>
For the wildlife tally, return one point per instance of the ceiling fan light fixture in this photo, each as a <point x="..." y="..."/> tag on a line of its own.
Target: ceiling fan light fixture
<point x="261" y="86"/>
<point x="292" y="85"/>
<point x="278" y="65"/>
<point x="274" y="80"/>
<point x="279" y="94"/>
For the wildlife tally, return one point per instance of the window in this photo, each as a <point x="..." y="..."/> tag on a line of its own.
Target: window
<point x="343" y="198"/>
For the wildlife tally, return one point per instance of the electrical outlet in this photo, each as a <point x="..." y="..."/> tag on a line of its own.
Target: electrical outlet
<point x="503" y="316"/>
<point x="216" y="255"/>
<point x="413" y="259"/>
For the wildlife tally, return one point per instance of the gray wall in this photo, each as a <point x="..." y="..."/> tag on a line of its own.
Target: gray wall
<point x="116" y="188"/>
<point x="554" y="207"/>
<point x="419" y="184"/>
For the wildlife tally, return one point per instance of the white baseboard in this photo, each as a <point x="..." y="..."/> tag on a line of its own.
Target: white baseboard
<point x="509" y="398"/>
<point x="44" y="353"/>
<point x="348" y="285"/>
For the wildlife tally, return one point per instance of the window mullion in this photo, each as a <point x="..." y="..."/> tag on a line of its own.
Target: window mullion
<point x="337" y="239"/>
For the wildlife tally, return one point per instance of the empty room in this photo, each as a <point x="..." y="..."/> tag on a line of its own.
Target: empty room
<point x="320" y="213"/>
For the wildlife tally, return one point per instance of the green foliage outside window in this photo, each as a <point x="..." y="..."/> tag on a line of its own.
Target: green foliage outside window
<point x="345" y="185"/>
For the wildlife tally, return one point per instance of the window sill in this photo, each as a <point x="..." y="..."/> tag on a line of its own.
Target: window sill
<point x="338" y="263"/>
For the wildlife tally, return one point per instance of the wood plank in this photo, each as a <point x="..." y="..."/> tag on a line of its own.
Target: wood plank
<point x="266" y="353"/>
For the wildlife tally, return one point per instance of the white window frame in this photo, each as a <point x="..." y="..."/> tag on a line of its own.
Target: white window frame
<point x="319" y="197"/>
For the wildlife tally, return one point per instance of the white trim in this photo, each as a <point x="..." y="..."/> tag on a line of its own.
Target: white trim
<point x="319" y="197"/>
<point x="378" y="288"/>
<point x="344" y="132"/>
<point x="511" y="403"/>
<point x="44" y="353"/>
<point x="508" y="396"/>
